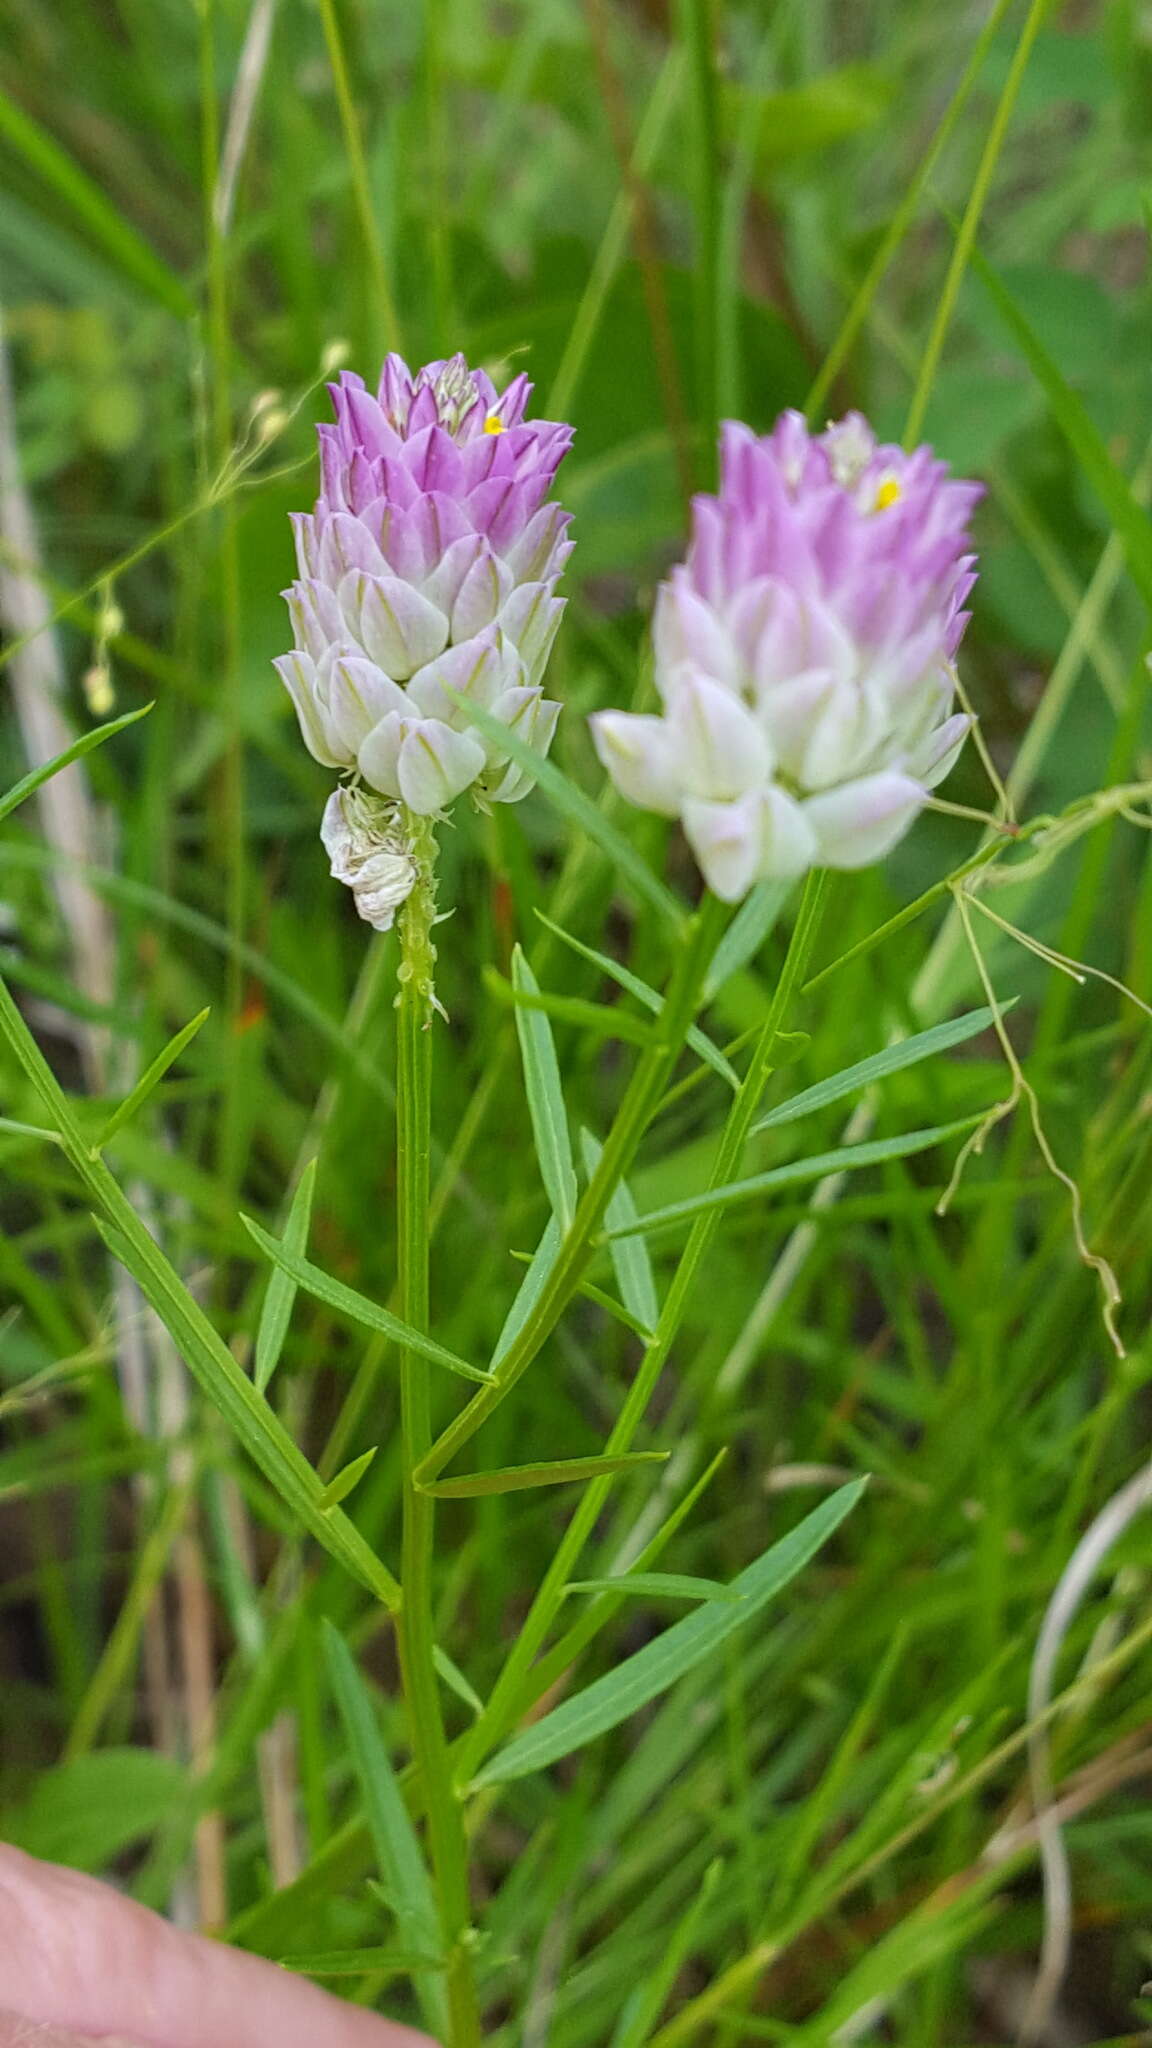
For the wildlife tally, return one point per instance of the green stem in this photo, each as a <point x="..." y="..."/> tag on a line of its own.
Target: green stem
<point x="966" y="233"/>
<point x="506" y="1703"/>
<point x="642" y="1098"/>
<point x="415" y="1634"/>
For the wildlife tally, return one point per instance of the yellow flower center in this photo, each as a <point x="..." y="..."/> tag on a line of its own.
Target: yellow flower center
<point x="889" y="493"/>
<point x="494" y="424"/>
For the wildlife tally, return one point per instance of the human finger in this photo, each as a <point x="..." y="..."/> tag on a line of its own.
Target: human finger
<point x="76" y="1955"/>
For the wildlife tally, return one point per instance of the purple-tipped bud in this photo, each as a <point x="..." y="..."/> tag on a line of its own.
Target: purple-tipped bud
<point x="805" y="655"/>
<point x="429" y="566"/>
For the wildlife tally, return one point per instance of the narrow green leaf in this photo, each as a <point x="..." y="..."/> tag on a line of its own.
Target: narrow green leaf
<point x="529" y="1291"/>
<point x="247" y="1414"/>
<point x="699" y="1041"/>
<point x="658" y="1586"/>
<point x="616" y="1309"/>
<point x="31" y="782"/>
<point x="545" y="1098"/>
<point x="18" y="1130"/>
<point x="153" y="1074"/>
<point x="643" y="1677"/>
<point x="1083" y="436"/>
<point x="577" y="808"/>
<point x="645" y="2004"/>
<point x="456" y="1682"/>
<point x="518" y="1478"/>
<point x="873" y="1152"/>
<point x="634" y="1276"/>
<point x="851" y="1080"/>
<point x="280" y="1294"/>
<point x="606" y="1020"/>
<point x="347" y="1302"/>
<point x="87" y="202"/>
<point x="398" y="1853"/>
<point x="341" y="1486"/>
<point x="361" y="1962"/>
<point x="747" y="932"/>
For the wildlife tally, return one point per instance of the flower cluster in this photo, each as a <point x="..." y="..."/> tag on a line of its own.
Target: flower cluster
<point x="804" y="655"/>
<point x="428" y="572"/>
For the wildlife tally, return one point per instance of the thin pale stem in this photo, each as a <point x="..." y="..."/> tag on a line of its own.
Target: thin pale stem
<point x="444" y="1821"/>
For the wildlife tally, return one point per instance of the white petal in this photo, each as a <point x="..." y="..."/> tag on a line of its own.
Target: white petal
<point x="480" y="669"/>
<point x="642" y="758"/>
<point x="685" y="629"/>
<point x="435" y="764"/>
<point x="789" y="843"/>
<point x="841" y="736"/>
<point x="297" y="671"/>
<point x="378" y="758"/>
<point x="398" y="628"/>
<point x="727" y="840"/>
<point x="764" y="836"/>
<point x="859" y="822"/>
<point x="359" y="696"/>
<point x="931" y="761"/>
<point x="483" y="591"/>
<point x="723" y="752"/>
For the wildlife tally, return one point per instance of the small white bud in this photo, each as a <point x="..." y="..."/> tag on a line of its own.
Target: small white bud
<point x="96" y="683"/>
<point x="335" y="356"/>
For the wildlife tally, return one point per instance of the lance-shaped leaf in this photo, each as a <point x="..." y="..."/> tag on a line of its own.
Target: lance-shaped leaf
<point x="398" y="1854"/>
<point x="634" y="1275"/>
<point x="126" y="1110"/>
<point x="276" y="1314"/>
<point x="545" y="1097"/>
<point x="31" y="782"/>
<point x="519" y="1478"/>
<point x="852" y="1080"/>
<point x="658" y="1586"/>
<point x="341" y="1485"/>
<point x="347" y="1302"/>
<point x="847" y="1158"/>
<point x="643" y="1677"/>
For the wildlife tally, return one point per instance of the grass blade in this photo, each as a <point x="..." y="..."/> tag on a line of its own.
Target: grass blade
<point x="545" y="1097"/>
<point x="31" y="782"/>
<point x="851" y="1080"/>
<point x="276" y="1313"/>
<point x="558" y="1472"/>
<point x="634" y="1275"/>
<point x="87" y="203"/>
<point x="874" y="1152"/>
<point x="149" y="1079"/>
<point x="1079" y="430"/>
<point x="622" y="1692"/>
<point x="346" y="1301"/>
<point x="398" y="1854"/>
<point x="658" y="1586"/>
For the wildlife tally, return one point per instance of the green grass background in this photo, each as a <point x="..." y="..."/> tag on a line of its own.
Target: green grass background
<point x="666" y="216"/>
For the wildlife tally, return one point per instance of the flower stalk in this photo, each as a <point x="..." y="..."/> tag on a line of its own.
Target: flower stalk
<point x="447" y="1845"/>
